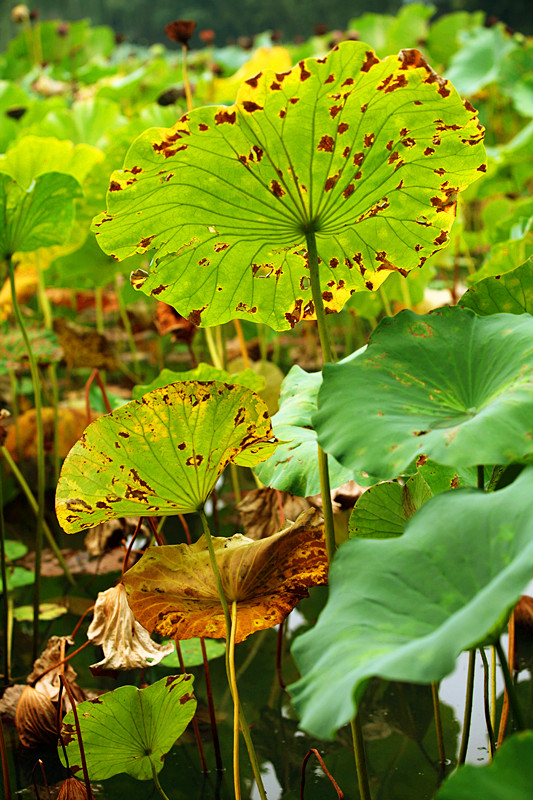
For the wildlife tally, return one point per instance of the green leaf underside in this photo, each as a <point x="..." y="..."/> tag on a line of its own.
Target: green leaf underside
<point x="293" y="467"/>
<point x="129" y="730"/>
<point x="509" y="776"/>
<point x="162" y="454"/>
<point x="39" y="216"/>
<point x="203" y="372"/>
<point x="448" y="386"/>
<point x="404" y="609"/>
<point x="369" y="154"/>
<point x="510" y="293"/>
<point x="382" y="511"/>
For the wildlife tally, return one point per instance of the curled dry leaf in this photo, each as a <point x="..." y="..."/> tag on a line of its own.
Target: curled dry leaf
<point x="172" y="588"/>
<point x="343" y="498"/>
<point x="107" y="535"/>
<point x="70" y="426"/>
<point x="84" y="347"/>
<point x="72" y="789"/>
<point x="45" y="674"/>
<point x="260" y="512"/>
<point x="167" y="320"/>
<point x="126" y="644"/>
<point x="35" y="718"/>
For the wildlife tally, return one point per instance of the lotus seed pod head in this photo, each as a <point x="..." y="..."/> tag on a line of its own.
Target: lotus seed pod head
<point x="72" y="789"/>
<point x="35" y="718"/>
<point x="20" y="14"/>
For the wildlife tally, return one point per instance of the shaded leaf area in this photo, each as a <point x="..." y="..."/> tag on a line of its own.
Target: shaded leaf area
<point x="404" y="609"/>
<point x="440" y="478"/>
<point x="293" y="467"/>
<point x="162" y="454"/>
<point x="510" y="293"/>
<point x="368" y="154"/>
<point x="13" y="355"/>
<point x="448" y="386"/>
<point x="203" y="372"/>
<point x="129" y="730"/>
<point x="34" y="156"/>
<point x="509" y="775"/>
<point x="191" y="651"/>
<point x="83" y="346"/>
<point x="382" y="511"/>
<point x="172" y="589"/>
<point x="36" y="217"/>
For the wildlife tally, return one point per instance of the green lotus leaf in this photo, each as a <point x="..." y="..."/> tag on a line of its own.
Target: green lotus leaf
<point x="13" y="353"/>
<point x="388" y="34"/>
<point x="511" y="293"/>
<point x="47" y="611"/>
<point x="161" y="454"/>
<point x="382" y="511"/>
<point x="129" y="730"/>
<point x="191" y="651"/>
<point x="448" y="386"/>
<point x="480" y="58"/>
<point x="441" y="478"/>
<point x="17" y="577"/>
<point x="403" y="609"/>
<point x="368" y="154"/>
<point x="293" y="467"/>
<point x="92" y="121"/>
<point x="15" y="549"/>
<point x="36" y="217"/>
<point x="509" y="775"/>
<point x="34" y="156"/>
<point x="443" y="39"/>
<point x="203" y="372"/>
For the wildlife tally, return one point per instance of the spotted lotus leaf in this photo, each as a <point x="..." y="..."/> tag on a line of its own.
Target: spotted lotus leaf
<point x="368" y="154"/>
<point x="161" y="454"/>
<point x="172" y="589"/>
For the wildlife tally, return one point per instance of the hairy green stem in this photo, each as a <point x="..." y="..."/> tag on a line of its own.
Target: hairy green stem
<point x="227" y="617"/>
<point x="438" y="725"/>
<point x="360" y="758"/>
<point x="511" y="691"/>
<point x="157" y="784"/>
<point x="468" y="707"/>
<point x="40" y="457"/>
<point x="35" y="508"/>
<point x="327" y="355"/>
<point x="5" y="612"/>
<point x="486" y="703"/>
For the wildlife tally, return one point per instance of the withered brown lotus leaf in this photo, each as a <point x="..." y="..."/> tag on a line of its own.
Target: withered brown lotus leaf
<point x="35" y="718"/>
<point x="260" y="515"/>
<point x="72" y="789"/>
<point x="172" y="588"/>
<point x="45" y="676"/>
<point x="126" y="644"/>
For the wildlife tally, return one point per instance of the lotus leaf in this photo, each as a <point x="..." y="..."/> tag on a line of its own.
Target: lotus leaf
<point x="129" y="730"/>
<point x="509" y="775"/>
<point x="448" y="386"/>
<point x="511" y="293"/>
<point x="403" y="609"/>
<point x="203" y="372"/>
<point x="293" y="467"/>
<point x="36" y="217"/>
<point x="367" y="154"/>
<point x="161" y="454"/>
<point x="172" y="589"/>
<point x="382" y="511"/>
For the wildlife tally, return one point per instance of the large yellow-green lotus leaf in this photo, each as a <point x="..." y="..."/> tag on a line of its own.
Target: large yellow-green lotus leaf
<point x="172" y="589"/>
<point x="161" y="454"/>
<point x="367" y="154"/>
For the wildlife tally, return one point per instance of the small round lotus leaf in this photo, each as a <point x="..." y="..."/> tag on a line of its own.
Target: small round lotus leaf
<point x="368" y="154"/>
<point x="161" y="454"/>
<point x="129" y="730"/>
<point x="448" y="386"/>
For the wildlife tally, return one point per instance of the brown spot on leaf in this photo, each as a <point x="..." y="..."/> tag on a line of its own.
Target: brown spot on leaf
<point x="394" y="157"/>
<point x="114" y="186"/>
<point x="304" y="73"/>
<point x="250" y="106"/>
<point x="364" y="108"/>
<point x="368" y="140"/>
<point x="196" y="316"/>
<point x="429" y="151"/>
<point x="327" y="296"/>
<point x="159" y="289"/>
<point x="440" y="171"/>
<point x="331" y="181"/>
<point x="254" y="80"/>
<point x="330" y="78"/>
<point x="274" y="86"/>
<point x="182" y="446"/>
<point x="295" y="315"/>
<point x="326" y="144"/>
<point x="421" y="460"/>
<point x="334" y="262"/>
<point x="203" y="127"/>
<point x="343" y="127"/>
<point x="147" y="241"/>
<point x="282" y="113"/>
<point x="346" y="152"/>
<point x="408" y="142"/>
<point x="219" y="247"/>
<point x="350" y="189"/>
<point x="204" y="262"/>
<point x="225" y="117"/>
<point x="442" y="238"/>
<point x="334" y="110"/>
<point x="294" y="100"/>
<point x="276" y="188"/>
<point x="194" y="461"/>
<point x="358" y="159"/>
<point x="482" y="168"/>
<point x="369" y="62"/>
<point x="369" y="285"/>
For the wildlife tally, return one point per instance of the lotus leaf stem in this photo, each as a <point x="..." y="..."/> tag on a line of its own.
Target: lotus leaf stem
<point x="72" y="699"/>
<point x="194" y="720"/>
<point x="211" y="706"/>
<point x="186" y="82"/>
<point x="227" y="617"/>
<point x="235" y="695"/>
<point x="468" y="707"/>
<point x="242" y="343"/>
<point x="486" y="703"/>
<point x="211" y="346"/>
<point x="493" y="687"/>
<point x="511" y="691"/>
<point x="35" y="508"/>
<point x="360" y="758"/>
<point x="40" y="457"/>
<point x="385" y="300"/>
<point x="438" y="726"/>
<point x="157" y="784"/>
